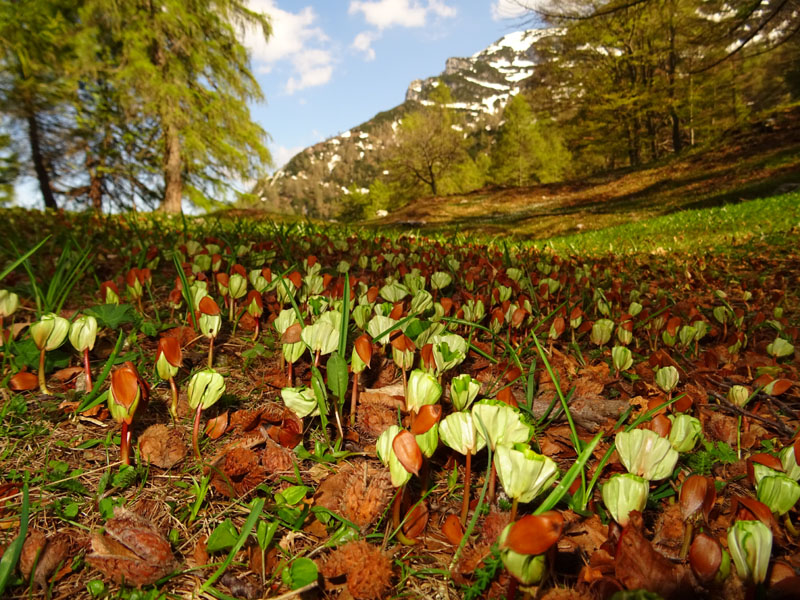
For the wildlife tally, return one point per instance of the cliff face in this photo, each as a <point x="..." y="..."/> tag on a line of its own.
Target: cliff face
<point x="315" y="178"/>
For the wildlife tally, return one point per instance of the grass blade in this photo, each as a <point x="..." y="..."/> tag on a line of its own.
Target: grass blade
<point x="252" y="519"/>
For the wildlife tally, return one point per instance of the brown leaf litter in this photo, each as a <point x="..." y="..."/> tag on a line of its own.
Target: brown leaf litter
<point x="367" y="571"/>
<point x="132" y="550"/>
<point x="358" y="491"/>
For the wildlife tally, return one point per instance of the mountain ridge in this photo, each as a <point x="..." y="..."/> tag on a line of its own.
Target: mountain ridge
<point x="314" y="181"/>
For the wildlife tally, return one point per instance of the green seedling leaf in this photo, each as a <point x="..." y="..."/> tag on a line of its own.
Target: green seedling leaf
<point x="255" y="513"/>
<point x="106" y="506"/>
<point x="337" y="376"/>
<point x="11" y="555"/>
<point x="112" y="316"/>
<point x="265" y="532"/>
<point x="70" y="510"/>
<point x="300" y="573"/>
<point x="292" y="495"/>
<point x="223" y="537"/>
<point x="26" y="354"/>
<point x="124" y="478"/>
<point x="96" y="588"/>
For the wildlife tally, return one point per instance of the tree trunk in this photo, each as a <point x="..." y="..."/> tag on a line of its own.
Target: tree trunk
<point x="38" y="163"/>
<point x="95" y="180"/>
<point x="172" y="170"/>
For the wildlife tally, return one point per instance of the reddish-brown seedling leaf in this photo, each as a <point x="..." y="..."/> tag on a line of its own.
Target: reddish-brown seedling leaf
<point x="292" y="334"/>
<point x="575" y="313"/>
<point x="296" y="279"/>
<point x="498" y="315"/>
<point x="372" y="294"/>
<point x="290" y="432"/>
<point x="559" y="325"/>
<point x="705" y="557"/>
<point x="426" y="356"/>
<point x="266" y="273"/>
<point x="217" y="426"/>
<point x="407" y="451"/>
<point x="125" y="385"/>
<point x="132" y="276"/>
<point x="208" y="306"/>
<point x="447" y="305"/>
<point x="765" y="459"/>
<point x="780" y="386"/>
<point x="108" y="285"/>
<point x="507" y="396"/>
<point x="697" y="493"/>
<point x="222" y="279"/>
<point x="311" y="260"/>
<point x="453" y="530"/>
<point x="416" y="520"/>
<point x="239" y="269"/>
<point x="748" y="509"/>
<point x="763" y="380"/>
<point x="518" y="316"/>
<point x="403" y="343"/>
<point x="672" y="325"/>
<point x="535" y="534"/>
<point x="254" y="296"/>
<point x="363" y="345"/>
<point x="428" y="416"/>
<point x="661" y="425"/>
<point x="170" y="347"/>
<point x="23" y="382"/>
<point x="780" y="571"/>
<point x="397" y="311"/>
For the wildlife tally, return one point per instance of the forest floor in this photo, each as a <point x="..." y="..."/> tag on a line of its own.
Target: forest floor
<point x="572" y="341"/>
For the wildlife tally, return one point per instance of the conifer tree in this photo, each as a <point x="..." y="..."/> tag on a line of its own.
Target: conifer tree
<point x="526" y="152"/>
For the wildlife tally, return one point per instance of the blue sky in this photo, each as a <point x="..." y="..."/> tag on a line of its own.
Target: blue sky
<point x="333" y="64"/>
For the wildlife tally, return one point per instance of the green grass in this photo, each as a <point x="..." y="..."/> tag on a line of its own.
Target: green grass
<point x="709" y="228"/>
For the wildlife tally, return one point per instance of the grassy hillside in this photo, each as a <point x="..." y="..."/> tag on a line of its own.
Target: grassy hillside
<point x="760" y="161"/>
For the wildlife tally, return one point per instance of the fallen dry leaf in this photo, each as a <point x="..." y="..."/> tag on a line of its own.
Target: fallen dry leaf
<point x="131" y="551"/>
<point x="63" y="375"/>
<point x="23" y="382"/>
<point x="639" y="566"/>
<point x="47" y="553"/>
<point x="162" y="446"/>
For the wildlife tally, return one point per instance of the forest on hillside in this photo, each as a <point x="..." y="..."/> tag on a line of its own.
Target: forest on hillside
<point x="619" y="84"/>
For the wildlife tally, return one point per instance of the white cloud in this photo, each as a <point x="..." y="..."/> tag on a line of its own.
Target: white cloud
<point x="282" y="154"/>
<point x="363" y="43"/>
<point x="403" y="13"/>
<point x="314" y="68"/>
<point x="295" y="38"/>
